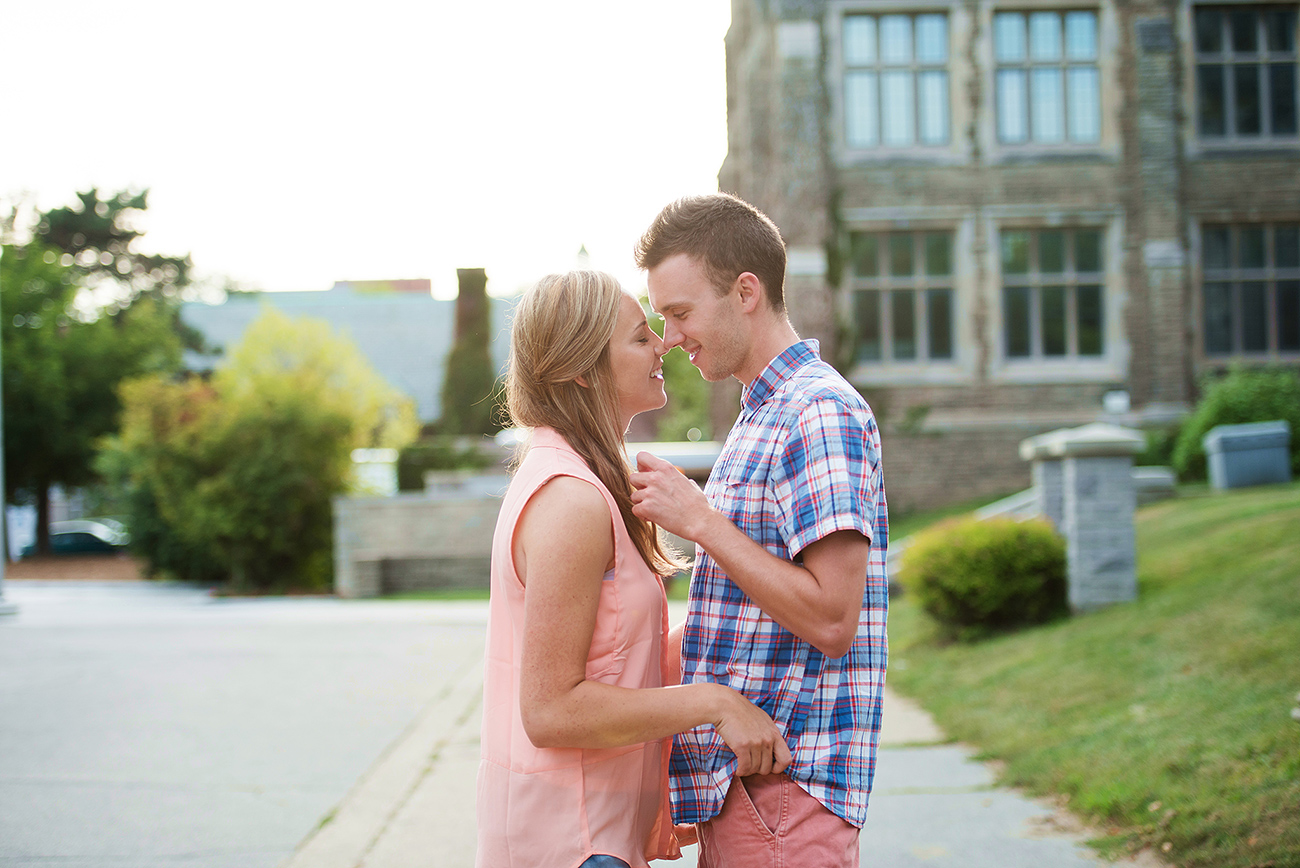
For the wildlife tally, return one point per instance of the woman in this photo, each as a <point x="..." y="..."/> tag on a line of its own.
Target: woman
<point x="577" y="722"/>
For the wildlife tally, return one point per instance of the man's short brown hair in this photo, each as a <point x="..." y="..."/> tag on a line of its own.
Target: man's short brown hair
<point x="727" y="235"/>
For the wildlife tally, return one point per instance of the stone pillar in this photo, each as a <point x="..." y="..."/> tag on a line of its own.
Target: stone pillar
<point x="1097" y="501"/>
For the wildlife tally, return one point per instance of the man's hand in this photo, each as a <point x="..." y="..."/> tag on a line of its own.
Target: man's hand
<point x="661" y="494"/>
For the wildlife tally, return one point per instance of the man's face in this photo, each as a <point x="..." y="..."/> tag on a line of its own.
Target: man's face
<point x="709" y="327"/>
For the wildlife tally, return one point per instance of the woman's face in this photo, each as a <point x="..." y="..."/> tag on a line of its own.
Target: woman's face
<point x="636" y="358"/>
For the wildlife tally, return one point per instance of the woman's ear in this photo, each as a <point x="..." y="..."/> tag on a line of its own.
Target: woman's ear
<point x="581" y="381"/>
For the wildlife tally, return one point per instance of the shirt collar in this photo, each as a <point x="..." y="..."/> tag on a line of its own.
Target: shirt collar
<point x="778" y="370"/>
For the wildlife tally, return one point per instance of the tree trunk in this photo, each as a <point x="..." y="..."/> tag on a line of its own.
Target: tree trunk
<point x="42" y="519"/>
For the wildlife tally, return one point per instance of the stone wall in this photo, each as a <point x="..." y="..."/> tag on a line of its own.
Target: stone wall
<point x="411" y="542"/>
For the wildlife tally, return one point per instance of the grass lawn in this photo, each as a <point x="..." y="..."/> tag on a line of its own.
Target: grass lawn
<point x="1165" y="722"/>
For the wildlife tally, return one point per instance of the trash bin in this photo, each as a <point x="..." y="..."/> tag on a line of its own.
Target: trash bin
<point x="1254" y="454"/>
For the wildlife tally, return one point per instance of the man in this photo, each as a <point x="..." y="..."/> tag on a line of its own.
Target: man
<point x="788" y="598"/>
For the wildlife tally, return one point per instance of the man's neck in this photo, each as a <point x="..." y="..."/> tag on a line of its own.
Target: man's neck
<point x="770" y="341"/>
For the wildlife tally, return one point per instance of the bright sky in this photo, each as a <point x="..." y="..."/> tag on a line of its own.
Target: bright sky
<point x="289" y="145"/>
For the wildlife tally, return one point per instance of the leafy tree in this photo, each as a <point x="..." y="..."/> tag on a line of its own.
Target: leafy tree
<point x="688" y="399"/>
<point x="688" y="394"/>
<point x="61" y="370"/>
<point x="233" y="479"/>
<point x="97" y="237"/>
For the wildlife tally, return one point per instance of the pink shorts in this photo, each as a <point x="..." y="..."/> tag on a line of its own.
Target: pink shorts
<point x="769" y="821"/>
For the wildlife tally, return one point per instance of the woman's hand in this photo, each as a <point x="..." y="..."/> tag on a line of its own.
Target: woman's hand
<point x="751" y="734"/>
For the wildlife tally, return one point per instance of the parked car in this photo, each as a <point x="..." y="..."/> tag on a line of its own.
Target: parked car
<point x="84" y="536"/>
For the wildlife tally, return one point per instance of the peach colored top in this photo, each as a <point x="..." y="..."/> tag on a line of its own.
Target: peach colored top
<point x="554" y="807"/>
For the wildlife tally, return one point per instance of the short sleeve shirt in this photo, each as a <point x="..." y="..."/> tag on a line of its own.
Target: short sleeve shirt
<point x="801" y="462"/>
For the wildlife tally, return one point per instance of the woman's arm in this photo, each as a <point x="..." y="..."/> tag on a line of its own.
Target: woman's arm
<point x="563" y="545"/>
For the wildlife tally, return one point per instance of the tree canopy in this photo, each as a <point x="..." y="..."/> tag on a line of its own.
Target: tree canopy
<point x="61" y="372"/>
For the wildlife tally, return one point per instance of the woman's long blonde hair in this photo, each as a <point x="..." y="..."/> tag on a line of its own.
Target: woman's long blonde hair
<point x="561" y="331"/>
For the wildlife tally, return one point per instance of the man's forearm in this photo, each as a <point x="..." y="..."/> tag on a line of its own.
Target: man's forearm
<point x="819" y="610"/>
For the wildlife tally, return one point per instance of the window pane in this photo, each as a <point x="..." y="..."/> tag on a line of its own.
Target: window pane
<point x="866" y="314"/>
<point x="1287" y="247"/>
<point x="1052" y="314"/>
<point x="863" y="250"/>
<point x="1218" y="318"/>
<point x="1279" y="29"/>
<point x="1251" y="254"/>
<point x="1045" y="36"/>
<point x="897" y="117"/>
<point x="1087" y="250"/>
<point x="1243" y="24"/>
<point x="1085" y="105"/>
<point x="1246" y="89"/>
<point x="903" y="310"/>
<point x="1012" y="123"/>
<point x="895" y="39"/>
<point x="1015" y="252"/>
<point x="939" y="302"/>
<point x="900" y="255"/>
<point x="1047" y="113"/>
<point x="931" y="39"/>
<point x="1211" y="106"/>
<point x="1209" y="31"/>
<point x="1088" y="300"/>
<point x="1051" y="252"/>
<point x="1015" y="302"/>
<point x="1009" y="36"/>
<point x="1081" y="35"/>
<point x="938" y="254"/>
<point x="860" y="111"/>
<point x="1215" y="252"/>
<point x="934" y="107"/>
<point x="859" y="40"/>
<point x="1254" y="317"/>
<point x="1281" y="88"/>
<point x="1288" y="316"/>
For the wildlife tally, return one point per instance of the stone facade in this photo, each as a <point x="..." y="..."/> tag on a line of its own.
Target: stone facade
<point x="1139" y="181"/>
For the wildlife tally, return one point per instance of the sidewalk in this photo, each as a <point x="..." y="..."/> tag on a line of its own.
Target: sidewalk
<point x="932" y="804"/>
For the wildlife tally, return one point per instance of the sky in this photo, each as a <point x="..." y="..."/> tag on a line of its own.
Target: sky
<point x="289" y="145"/>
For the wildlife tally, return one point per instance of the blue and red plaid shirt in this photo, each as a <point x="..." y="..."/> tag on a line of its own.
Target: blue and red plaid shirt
<point x="801" y="462"/>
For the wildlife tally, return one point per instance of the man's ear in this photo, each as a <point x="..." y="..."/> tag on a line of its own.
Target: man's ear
<point x="750" y="289"/>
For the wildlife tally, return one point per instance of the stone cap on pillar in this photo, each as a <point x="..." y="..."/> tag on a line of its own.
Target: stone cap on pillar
<point x="1096" y="440"/>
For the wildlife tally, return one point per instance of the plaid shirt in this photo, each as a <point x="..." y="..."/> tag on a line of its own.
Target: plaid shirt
<point x="802" y="461"/>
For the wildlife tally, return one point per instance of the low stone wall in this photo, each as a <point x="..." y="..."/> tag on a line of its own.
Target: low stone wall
<point x="412" y="542"/>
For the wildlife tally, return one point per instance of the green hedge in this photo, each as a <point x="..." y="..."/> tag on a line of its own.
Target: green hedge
<point x="437" y="453"/>
<point x="1240" y="397"/>
<point x="976" y="577"/>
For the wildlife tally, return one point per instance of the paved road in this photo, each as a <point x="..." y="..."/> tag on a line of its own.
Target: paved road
<point x="145" y="725"/>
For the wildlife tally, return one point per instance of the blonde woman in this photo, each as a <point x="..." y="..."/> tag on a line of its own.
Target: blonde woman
<point x="581" y="696"/>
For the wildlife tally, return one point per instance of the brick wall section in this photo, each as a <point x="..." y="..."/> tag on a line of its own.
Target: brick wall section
<point x="929" y="470"/>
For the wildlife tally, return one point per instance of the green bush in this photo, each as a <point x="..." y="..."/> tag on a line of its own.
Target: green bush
<point x="437" y="453"/>
<point x="232" y="480"/>
<point x="975" y="577"/>
<point x="1242" y="396"/>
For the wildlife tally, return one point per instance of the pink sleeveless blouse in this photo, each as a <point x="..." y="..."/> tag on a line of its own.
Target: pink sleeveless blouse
<point x="554" y="807"/>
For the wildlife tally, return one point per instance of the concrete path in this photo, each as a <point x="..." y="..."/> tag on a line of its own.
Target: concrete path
<point x="148" y="725"/>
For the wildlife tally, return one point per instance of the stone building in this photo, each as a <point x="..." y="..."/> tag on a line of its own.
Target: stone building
<point x="998" y="211"/>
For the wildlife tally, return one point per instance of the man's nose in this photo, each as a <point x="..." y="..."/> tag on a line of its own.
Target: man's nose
<point x="672" y="337"/>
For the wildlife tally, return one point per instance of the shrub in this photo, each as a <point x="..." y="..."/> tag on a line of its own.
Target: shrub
<point x="233" y="479"/>
<point x="975" y="577"/>
<point x="437" y="453"/>
<point x="1242" y="396"/>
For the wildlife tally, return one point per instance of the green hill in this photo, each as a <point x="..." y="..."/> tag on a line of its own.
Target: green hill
<point x="1165" y="722"/>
